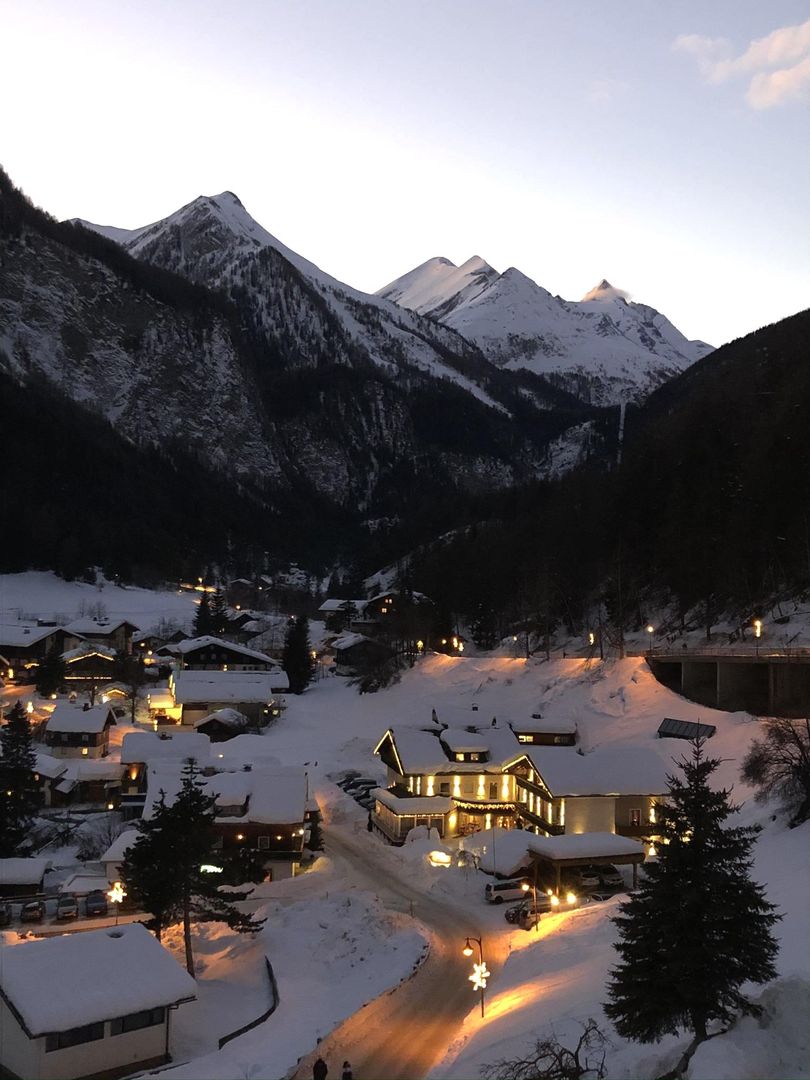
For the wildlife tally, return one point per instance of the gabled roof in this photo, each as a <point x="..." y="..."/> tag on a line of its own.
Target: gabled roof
<point x="608" y="770"/>
<point x="684" y="729"/>
<point x="192" y="644"/>
<point x="228" y="717"/>
<point x="54" y="984"/>
<point x="144" y="746"/>
<point x="23" y="872"/>
<point x="73" y="718"/>
<point x="86" y="650"/>
<point x="16" y="634"/>
<point x="420" y="751"/>
<point x="341" y="605"/>
<point x="235" y="687"/>
<point x="83" y="627"/>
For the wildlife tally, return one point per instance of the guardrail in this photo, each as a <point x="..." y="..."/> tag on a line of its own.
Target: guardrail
<point x="265" y="1015"/>
<point x="718" y="652"/>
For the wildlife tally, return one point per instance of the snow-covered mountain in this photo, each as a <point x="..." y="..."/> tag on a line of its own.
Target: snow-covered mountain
<point x="604" y="348"/>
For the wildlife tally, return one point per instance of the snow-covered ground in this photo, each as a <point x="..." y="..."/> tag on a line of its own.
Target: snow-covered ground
<point x="38" y="594"/>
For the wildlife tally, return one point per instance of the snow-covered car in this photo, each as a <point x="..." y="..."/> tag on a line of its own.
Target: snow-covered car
<point x="67" y="907"/>
<point x="33" y="911"/>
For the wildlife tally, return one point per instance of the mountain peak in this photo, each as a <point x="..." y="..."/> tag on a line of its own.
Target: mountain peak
<point x="605" y="291"/>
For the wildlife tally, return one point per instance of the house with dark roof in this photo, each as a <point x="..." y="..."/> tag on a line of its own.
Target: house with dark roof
<point x="76" y="731"/>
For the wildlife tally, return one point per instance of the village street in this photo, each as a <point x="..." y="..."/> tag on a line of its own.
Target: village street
<point x="403" y="1034"/>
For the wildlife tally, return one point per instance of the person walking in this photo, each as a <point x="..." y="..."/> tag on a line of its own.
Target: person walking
<point x="347" y="1071"/>
<point x="320" y="1070"/>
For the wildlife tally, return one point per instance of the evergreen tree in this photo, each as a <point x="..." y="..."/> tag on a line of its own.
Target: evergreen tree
<point x="51" y="673"/>
<point x="193" y="814"/>
<point x="219" y="613"/>
<point x="19" y="798"/>
<point x="149" y="868"/>
<point x="698" y="927"/>
<point x="164" y="867"/>
<point x="202" y="619"/>
<point x="297" y="658"/>
<point x="484" y="626"/>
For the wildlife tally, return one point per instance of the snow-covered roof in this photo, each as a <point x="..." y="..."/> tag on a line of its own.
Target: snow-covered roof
<point x="278" y="796"/>
<point x="500" y="851"/>
<point x="87" y="649"/>
<point x="464" y="742"/>
<point x="541" y="726"/>
<point x="74" y="718"/>
<point x="64" y="982"/>
<point x="120" y="846"/>
<point x="341" y="605"/>
<point x="609" y="770"/>
<point x="87" y="769"/>
<point x="146" y="746"/>
<point x="247" y="687"/>
<point x="418" y="751"/>
<point x="425" y="804"/>
<point x="23" y="872"/>
<point x="96" y="626"/>
<point x="83" y="882"/>
<point x="597" y="845"/>
<point x="246" y="749"/>
<point x="160" y="698"/>
<point x="230" y="788"/>
<point x="14" y="634"/>
<point x="51" y="766"/>
<point x="229" y="717"/>
<point x="347" y="641"/>
<point x="192" y="644"/>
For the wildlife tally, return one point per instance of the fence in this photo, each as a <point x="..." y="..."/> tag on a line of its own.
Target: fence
<point x="274" y="999"/>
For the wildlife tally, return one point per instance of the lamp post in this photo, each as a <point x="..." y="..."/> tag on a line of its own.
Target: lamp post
<point x="757" y="633"/>
<point x="116" y="896"/>
<point x="480" y="971"/>
<point x="651" y="631"/>
<point x="526" y="886"/>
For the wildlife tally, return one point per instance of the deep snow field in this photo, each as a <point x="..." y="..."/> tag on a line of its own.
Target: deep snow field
<point x="322" y="922"/>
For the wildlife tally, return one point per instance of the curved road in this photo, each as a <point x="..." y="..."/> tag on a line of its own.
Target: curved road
<point x="402" y="1034"/>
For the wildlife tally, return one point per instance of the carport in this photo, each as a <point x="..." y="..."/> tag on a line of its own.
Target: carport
<point x="584" y="849"/>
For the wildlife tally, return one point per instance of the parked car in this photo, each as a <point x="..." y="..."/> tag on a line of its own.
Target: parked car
<point x="33" y="911"/>
<point x="95" y="903"/>
<point x="5" y="913"/>
<point x="582" y="879"/>
<point x="608" y="876"/>
<point x="496" y="892"/>
<point x="520" y="912"/>
<point x="599" y="897"/>
<point x="67" y="907"/>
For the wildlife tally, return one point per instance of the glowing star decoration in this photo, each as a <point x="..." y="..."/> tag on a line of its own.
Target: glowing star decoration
<point x="479" y="976"/>
<point x="117" y="893"/>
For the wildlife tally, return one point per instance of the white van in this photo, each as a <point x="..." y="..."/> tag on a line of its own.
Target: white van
<point x="496" y="892"/>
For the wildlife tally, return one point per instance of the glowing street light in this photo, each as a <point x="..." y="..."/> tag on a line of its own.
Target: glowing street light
<point x="116" y="896"/>
<point x="29" y="708"/>
<point x="757" y="632"/>
<point x="526" y="886"/>
<point x="480" y="972"/>
<point x="591" y="638"/>
<point x="651" y="631"/>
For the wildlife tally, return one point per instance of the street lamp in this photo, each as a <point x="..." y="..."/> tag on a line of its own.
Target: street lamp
<point x="480" y="971"/>
<point x="757" y="633"/>
<point x="651" y="631"/>
<point x="116" y="896"/>
<point x="526" y="886"/>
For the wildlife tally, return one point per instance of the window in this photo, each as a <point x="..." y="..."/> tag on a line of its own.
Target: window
<point x="74" y="1037"/>
<point x="135" y="1021"/>
<point x="635" y="816"/>
<point x="444" y="788"/>
<point x="475" y="757"/>
<point x="525" y="738"/>
<point x="264" y="843"/>
<point x="459" y="757"/>
<point x="493" y="790"/>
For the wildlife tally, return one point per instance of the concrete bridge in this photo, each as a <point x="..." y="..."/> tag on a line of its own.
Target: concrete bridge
<point x="765" y="682"/>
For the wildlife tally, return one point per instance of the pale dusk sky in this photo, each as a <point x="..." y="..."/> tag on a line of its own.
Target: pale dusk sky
<point x="664" y="147"/>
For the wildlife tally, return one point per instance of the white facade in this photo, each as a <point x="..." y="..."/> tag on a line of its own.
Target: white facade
<point x="30" y="1059"/>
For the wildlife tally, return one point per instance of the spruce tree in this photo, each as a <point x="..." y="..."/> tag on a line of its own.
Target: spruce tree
<point x="698" y="927"/>
<point x="19" y="797"/>
<point x="51" y="673"/>
<point x="149" y="868"/>
<point x="202" y="618"/>
<point x="219" y="613"/>
<point x="297" y="658"/>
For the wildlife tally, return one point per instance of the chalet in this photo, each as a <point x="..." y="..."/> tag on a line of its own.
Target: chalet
<point x="72" y="731"/>
<point x="213" y="654"/>
<point x="222" y="725"/>
<point x="89" y="665"/>
<point x="142" y="749"/>
<point x="116" y="634"/>
<point x="612" y="789"/>
<point x="356" y="654"/>
<point x="535" y="731"/>
<point x="22" y="877"/>
<point x="494" y="781"/>
<point x="200" y="693"/>
<point x="89" y="782"/>
<point x="262" y="809"/>
<point x="96" y="1004"/>
<point x="27" y="644"/>
<point x="340" y="614"/>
